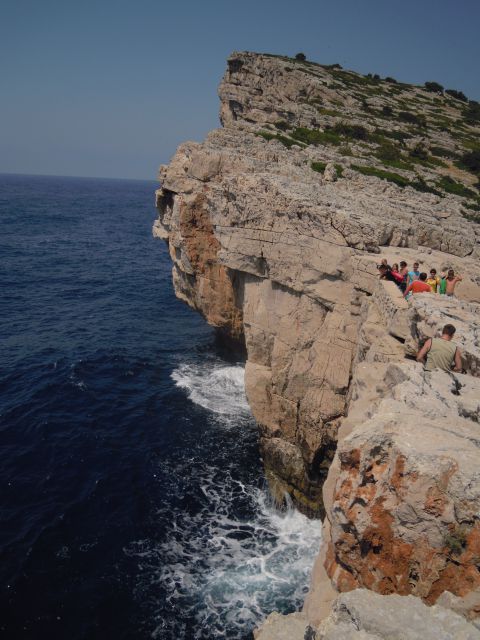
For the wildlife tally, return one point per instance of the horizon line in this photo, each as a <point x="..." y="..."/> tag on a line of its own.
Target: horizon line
<point x="55" y="175"/>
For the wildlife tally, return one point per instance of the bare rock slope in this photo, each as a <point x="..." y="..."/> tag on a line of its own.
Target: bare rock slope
<point x="274" y="225"/>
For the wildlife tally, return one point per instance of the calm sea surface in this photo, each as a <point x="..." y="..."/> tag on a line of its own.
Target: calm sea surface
<point x="132" y="496"/>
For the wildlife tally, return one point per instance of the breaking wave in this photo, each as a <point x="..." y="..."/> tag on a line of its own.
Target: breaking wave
<point x="215" y="387"/>
<point x="225" y="557"/>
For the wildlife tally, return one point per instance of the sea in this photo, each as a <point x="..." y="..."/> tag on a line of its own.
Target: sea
<point x="132" y="496"/>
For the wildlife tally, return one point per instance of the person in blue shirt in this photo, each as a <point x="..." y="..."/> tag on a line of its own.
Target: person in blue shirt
<point x="413" y="275"/>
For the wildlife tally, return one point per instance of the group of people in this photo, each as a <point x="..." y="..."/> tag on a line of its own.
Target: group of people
<point x="436" y="353"/>
<point x="414" y="281"/>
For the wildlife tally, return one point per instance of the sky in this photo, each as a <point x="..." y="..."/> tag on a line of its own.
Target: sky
<point x="109" y="88"/>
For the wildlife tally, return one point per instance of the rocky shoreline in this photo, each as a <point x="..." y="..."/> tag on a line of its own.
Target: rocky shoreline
<point x="274" y="234"/>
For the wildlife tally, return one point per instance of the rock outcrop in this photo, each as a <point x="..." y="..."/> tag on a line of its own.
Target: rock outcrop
<point x="363" y="615"/>
<point x="275" y="224"/>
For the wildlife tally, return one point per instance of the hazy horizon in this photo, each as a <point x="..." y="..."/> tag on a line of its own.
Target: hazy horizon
<point x="110" y="90"/>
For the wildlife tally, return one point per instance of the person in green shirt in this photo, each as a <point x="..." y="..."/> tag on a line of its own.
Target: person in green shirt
<point x="442" y="288"/>
<point x="441" y="353"/>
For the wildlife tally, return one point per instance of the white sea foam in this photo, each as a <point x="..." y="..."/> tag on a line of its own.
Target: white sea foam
<point x="225" y="572"/>
<point x="225" y="557"/>
<point x="216" y="387"/>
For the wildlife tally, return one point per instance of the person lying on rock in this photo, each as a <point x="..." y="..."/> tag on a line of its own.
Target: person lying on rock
<point x="388" y="273"/>
<point x="418" y="286"/>
<point x="451" y="282"/>
<point x="441" y="353"/>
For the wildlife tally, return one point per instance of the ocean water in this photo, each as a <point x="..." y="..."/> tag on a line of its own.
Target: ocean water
<point x="133" y="501"/>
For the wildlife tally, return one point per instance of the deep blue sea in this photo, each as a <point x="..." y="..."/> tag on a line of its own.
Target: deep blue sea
<point x="133" y="503"/>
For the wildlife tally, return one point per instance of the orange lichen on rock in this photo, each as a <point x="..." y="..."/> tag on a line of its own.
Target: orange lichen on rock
<point x="370" y="547"/>
<point x="216" y="296"/>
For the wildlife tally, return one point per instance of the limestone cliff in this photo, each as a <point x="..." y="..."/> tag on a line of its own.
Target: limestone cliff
<point x="274" y="225"/>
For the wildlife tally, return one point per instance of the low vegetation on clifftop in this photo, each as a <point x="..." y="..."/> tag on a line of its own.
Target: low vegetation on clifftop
<point x="431" y="134"/>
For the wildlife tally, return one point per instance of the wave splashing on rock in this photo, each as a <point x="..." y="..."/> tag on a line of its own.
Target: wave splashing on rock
<point x="226" y="557"/>
<point x="218" y="388"/>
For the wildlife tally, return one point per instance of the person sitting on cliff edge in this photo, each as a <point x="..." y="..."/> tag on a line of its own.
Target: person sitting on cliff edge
<point x="418" y="286"/>
<point x="441" y="353"/>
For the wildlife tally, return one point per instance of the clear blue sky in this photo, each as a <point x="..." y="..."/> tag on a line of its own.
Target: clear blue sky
<point x="110" y="88"/>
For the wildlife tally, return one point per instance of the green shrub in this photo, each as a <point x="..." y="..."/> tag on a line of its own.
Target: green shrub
<point x="458" y="95"/>
<point x="387" y="110"/>
<point x="320" y="167"/>
<point x="471" y="161"/>
<point x="431" y="161"/>
<point x="313" y="136"/>
<point x="457" y="188"/>
<point x="328" y="112"/>
<point x="346" y="150"/>
<point x="472" y="112"/>
<point x="301" y="57"/>
<point x="474" y="206"/>
<point x="433" y="87"/>
<point x="420" y="185"/>
<point x="472" y="217"/>
<point x="412" y="118"/>
<point x="282" y="125"/>
<point x="267" y="135"/>
<point x="384" y="175"/>
<point x="287" y="142"/>
<point x="401" y="136"/>
<point x="441" y="152"/>
<point x="419" y="152"/>
<point x="388" y="152"/>
<point x="354" y="131"/>
<point x="391" y="80"/>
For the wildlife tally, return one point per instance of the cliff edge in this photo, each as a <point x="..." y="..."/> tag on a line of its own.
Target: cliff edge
<point x="275" y="224"/>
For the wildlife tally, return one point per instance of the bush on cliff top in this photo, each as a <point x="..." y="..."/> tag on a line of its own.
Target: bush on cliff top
<point x="418" y="184"/>
<point x="434" y="87"/>
<point x="457" y="188"/>
<point x="458" y="95"/>
<point x="313" y="136"/>
<point x="472" y="112"/>
<point x="412" y="118"/>
<point x="266" y="135"/>
<point x="353" y="131"/>
<point x="396" y="178"/>
<point x="471" y="161"/>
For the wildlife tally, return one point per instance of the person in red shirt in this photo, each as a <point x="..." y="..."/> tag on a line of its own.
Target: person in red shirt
<point x="418" y="286"/>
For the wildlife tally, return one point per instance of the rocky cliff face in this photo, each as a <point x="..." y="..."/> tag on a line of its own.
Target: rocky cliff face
<point x="275" y="224"/>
